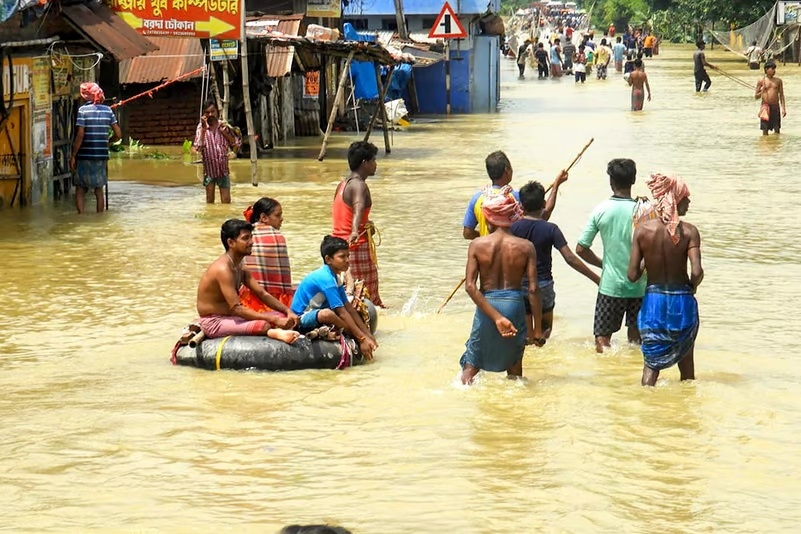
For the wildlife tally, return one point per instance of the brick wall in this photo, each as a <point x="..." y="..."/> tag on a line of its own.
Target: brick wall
<point x="167" y="118"/>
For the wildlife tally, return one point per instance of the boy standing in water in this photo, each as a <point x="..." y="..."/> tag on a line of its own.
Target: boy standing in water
<point x="500" y="260"/>
<point x="545" y="236"/>
<point x="668" y="320"/>
<point x="771" y="89"/>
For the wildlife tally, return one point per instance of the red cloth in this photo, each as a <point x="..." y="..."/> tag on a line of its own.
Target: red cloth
<point x="91" y="92"/>
<point x="342" y="216"/>
<point x="363" y="268"/>
<point x="668" y="191"/>
<point x="500" y="207"/>
<point x="268" y="262"/>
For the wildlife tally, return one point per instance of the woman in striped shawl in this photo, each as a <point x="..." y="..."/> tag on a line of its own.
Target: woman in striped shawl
<point x="269" y="262"/>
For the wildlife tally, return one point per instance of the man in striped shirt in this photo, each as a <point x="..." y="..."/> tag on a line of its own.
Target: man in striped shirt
<point x="213" y="139"/>
<point x="89" y="159"/>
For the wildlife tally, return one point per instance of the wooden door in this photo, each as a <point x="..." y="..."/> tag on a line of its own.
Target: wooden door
<point x="63" y="131"/>
<point x="12" y="157"/>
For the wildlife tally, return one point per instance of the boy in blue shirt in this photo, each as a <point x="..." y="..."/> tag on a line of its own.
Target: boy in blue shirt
<point x="321" y="300"/>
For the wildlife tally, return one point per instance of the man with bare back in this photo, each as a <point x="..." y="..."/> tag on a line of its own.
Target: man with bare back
<point x="221" y="313"/>
<point x="500" y="333"/>
<point x="637" y="79"/>
<point x="771" y="90"/>
<point x="668" y="319"/>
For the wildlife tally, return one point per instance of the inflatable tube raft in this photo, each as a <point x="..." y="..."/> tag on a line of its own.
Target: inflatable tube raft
<point x="261" y="352"/>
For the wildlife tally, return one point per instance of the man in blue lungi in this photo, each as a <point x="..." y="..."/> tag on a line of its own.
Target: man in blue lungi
<point x="500" y="333"/>
<point x="668" y="319"/>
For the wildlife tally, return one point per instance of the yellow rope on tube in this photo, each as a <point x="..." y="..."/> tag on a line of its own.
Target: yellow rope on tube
<point x="219" y="351"/>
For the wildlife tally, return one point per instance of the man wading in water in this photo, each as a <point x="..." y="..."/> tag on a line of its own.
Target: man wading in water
<point x="499" y="335"/>
<point x="771" y="89"/>
<point x="668" y="319"/>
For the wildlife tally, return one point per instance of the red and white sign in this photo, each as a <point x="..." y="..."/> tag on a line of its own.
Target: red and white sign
<point x="447" y="25"/>
<point x="202" y="19"/>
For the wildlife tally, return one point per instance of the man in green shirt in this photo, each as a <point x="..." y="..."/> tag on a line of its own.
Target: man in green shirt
<point x="613" y="219"/>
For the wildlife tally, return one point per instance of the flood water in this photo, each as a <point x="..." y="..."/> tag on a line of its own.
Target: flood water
<point x="101" y="433"/>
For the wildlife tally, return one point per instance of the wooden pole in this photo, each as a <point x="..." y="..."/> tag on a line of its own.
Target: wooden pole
<point x="226" y="98"/>
<point x="400" y="20"/>
<point x="382" y="108"/>
<point x="215" y="91"/>
<point x="382" y="93"/>
<point x="246" y="97"/>
<point x="340" y="88"/>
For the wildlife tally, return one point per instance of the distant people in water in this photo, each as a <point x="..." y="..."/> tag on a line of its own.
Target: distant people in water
<point x="699" y="68"/>
<point x="771" y="90"/>
<point x="753" y="55"/>
<point x="668" y="320"/>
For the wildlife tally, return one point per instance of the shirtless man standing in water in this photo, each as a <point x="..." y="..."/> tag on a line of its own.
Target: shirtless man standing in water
<point x="500" y="333"/>
<point x="221" y="313"/>
<point x="668" y="319"/>
<point x="771" y="89"/>
<point x="637" y="79"/>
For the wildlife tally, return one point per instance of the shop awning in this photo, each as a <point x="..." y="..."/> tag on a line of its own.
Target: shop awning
<point x="107" y="31"/>
<point x="175" y="56"/>
<point x="278" y="59"/>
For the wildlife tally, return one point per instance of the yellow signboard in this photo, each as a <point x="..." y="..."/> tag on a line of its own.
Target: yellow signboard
<point x="324" y="8"/>
<point x="21" y="72"/>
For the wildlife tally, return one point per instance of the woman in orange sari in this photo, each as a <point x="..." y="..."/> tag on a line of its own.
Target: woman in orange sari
<point x="268" y="263"/>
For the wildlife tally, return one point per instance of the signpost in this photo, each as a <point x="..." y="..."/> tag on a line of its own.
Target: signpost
<point x="447" y="26"/>
<point x="182" y="18"/>
<point x="223" y="50"/>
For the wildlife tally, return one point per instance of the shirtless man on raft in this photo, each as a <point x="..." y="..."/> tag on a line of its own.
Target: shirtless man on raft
<point x="668" y="319"/>
<point x="500" y="333"/>
<point x="221" y="313"/>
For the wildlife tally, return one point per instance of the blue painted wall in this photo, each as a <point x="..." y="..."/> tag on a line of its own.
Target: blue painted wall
<point x="486" y="69"/>
<point x="430" y="85"/>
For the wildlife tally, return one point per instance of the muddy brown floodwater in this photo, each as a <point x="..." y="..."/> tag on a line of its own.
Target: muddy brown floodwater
<point x="101" y="433"/>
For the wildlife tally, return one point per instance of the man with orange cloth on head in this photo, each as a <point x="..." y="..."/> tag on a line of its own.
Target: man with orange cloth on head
<point x="668" y="319"/>
<point x="89" y="159"/>
<point x="500" y="333"/>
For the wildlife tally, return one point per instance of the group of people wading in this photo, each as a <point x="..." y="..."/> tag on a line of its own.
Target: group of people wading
<point x="510" y="257"/>
<point x="248" y="289"/>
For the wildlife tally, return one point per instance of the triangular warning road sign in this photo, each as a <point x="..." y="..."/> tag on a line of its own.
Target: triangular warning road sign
<point x="447" y="25"/>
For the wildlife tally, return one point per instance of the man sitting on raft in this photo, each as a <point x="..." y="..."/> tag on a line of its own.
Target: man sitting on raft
<point x="500" y="334"/>
<point x="668" y="319"/>
<point x="221" y="313"/>
<point x="321" y="300"/>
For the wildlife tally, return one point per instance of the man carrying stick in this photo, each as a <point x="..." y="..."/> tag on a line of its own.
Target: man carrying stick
<point x="500" y="260"/>
<point x="668" y="320"/>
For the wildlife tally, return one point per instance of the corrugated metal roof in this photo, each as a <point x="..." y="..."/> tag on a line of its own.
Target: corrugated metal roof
<point x="107" y="31"/>
<point x="278" y="59"/>
<point x="418" y="45"/>
<point x="174" y="57"/>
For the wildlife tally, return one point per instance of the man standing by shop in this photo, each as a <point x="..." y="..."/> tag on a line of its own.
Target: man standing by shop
<point x="350" y="213"/>
<point x="213" y="140"/>
<point x="613" y="219"/>
<point x="89" y="159"/>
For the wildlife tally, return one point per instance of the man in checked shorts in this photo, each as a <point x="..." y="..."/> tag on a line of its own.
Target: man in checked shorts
<point x="613" y="219"/>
